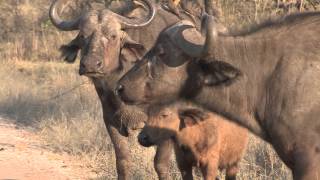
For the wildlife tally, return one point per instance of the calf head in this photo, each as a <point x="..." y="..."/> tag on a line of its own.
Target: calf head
<point x="100" y="39"/>
<point x="174" y="67"/>
<point x="177" y="124"/>
<point x="162" y="125"/>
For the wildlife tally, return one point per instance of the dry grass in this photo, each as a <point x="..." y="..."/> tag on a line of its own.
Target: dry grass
<point x="48" y="98"/>
<point x="40" y="93"/>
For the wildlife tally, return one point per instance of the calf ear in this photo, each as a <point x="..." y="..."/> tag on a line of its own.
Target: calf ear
<point x="190" y="117"/>
<point x="218" y="72"/>
<point x="209" y="138"/>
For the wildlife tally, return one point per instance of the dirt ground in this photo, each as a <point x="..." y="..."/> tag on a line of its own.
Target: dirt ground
<point x="22" y="156"/>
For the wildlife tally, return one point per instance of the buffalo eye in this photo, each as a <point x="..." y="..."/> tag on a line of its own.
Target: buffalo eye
<point x="162" y="55"/>
<point x="81" y="36"/>
<point x="150" y="70"/>
<point x="161" y="51"/>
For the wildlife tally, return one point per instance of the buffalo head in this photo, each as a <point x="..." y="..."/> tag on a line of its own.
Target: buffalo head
<point x="174" y="68"/>
<point x="101" y="37"/>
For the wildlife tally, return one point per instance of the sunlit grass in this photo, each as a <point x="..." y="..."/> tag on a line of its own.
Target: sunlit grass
<point x="63" y="109"/>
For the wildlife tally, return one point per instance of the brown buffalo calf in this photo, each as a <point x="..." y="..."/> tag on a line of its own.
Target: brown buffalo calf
<point x="201" y="139"/>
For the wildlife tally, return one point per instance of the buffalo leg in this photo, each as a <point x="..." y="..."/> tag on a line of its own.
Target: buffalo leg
<point x="184" y="167"/>
<point x="307" y="165"/>
<point x="123" y="161"/>
<point x="162" y="158"/>
<point x="120" y="142"/>
<point x="211" y="7"/>
<point x="186" y="172"/>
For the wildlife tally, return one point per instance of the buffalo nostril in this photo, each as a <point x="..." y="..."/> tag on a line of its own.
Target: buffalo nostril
<point x="143" y="138"/>
<point x="119" y="89"/>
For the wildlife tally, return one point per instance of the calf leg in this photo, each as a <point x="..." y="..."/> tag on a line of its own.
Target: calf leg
<point x="162" y="158"/>
<point x="120" y="145"/>
<point x="211" y="170"/>
<point x="231" y="172"/>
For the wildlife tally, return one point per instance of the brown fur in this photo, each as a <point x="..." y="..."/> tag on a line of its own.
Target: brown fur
<point x="107" y="50"/>
<point x="201" y="139"/>
<point x="266" y="79"/>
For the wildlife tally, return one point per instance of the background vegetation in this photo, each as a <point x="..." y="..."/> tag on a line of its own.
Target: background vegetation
<point x="40" y="92"/>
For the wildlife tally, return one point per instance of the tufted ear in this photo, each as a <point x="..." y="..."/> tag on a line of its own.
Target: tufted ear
<point x="218" y="72"/>
<point x="190" y="117"/>
<point x="69" y="52"/>
<point x="208" y="132"/>
<point x="209" y="138"/>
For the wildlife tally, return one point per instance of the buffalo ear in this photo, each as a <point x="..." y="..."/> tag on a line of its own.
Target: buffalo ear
<point x="190" y="117"/>
<point x="218" y="72"/>
<point x="69" y="52"/>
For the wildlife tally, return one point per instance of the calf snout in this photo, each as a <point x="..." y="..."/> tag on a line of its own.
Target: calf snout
<point x="144" y="140"/>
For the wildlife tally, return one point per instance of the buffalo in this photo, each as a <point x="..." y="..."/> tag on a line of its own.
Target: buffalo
<point x="265" y="79"/>
<point x="109" y="42"/>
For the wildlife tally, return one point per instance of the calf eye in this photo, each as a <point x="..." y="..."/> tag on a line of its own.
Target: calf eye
<point x="164" y="116"/>
<point x="113" y="36"/>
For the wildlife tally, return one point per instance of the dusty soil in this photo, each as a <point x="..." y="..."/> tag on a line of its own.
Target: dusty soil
<point x="22" y="156"/>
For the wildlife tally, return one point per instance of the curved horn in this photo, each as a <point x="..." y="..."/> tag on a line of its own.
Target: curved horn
<point x="209" y="27"/>
<point x="134" y="23"/>
<point x="191" y="42"/>
<point x="212" y="8"/>
<point x="188" y="39"/>
<point x="58" y="22"/>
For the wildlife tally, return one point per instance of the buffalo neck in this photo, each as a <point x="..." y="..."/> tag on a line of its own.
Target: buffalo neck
<point x="244" y="99"/>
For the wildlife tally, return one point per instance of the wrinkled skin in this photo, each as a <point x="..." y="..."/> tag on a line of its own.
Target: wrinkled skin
<point x="265" y="79"/>
<point x="107" y="50"/>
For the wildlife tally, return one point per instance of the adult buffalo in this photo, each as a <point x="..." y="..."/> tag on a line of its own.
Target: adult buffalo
<point x="110" y="44"/>
<point x="265" y="79"/>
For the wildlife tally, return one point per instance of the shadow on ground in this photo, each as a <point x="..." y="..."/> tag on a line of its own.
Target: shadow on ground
<point x="29" y="110"/>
